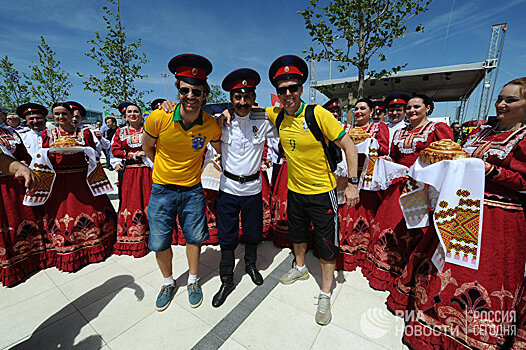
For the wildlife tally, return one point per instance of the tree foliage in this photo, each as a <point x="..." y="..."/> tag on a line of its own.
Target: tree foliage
<point x="216" y="95"/>
<point x="13" y="91"/>
<point x="119" y="61"/>
<point x="368" y="25"/>
<point x="48" y="82"/>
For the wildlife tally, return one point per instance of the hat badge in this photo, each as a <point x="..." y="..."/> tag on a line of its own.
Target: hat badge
<point x="286" y="69"/>
<point x="395" y="100"/>
<point x="244" y="82"/>
<point x="194" y="71"/>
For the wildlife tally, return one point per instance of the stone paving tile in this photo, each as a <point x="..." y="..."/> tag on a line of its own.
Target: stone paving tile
<point x="33" y="286"/>
<point x="334" y="337"/>
<point x="174" y="328"/>
<point x="115" y="313"/>
<point x="275" y="324"/>
<point x="41" y="311"/>
<point x="97" y="284"/>
<point x="70" y="332"/>
<point x="366" y="315"/>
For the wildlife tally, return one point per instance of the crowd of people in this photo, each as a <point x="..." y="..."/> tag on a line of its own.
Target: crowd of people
<point x="58" y="213"/>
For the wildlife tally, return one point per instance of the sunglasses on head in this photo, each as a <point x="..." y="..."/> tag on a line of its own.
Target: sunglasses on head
<point x="184" y="91"/>
<point x="292" y="88"/>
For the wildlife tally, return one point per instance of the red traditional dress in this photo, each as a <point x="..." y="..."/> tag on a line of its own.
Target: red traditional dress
<point x="79" y="227"/>
<point x="132" y="224"/>
<point x="280" y="225"/>
<point x="479" y="308"/>
<point x="22" y="248"/>
<point x="391" y="242"/>
<point x="356" y="222"/>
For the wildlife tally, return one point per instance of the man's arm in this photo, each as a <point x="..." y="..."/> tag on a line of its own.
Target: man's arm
<point x="148" y="145"/>
<point x="11" y="166"/>
<point x="216" y="145"/>
<point x="351" y="195"/>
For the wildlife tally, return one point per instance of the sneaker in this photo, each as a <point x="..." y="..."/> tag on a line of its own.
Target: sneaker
<point x="323" y="314"/>
<point x="195" y="294"/>
<point x="294" y="275"/>
<point x="165" y="297"/>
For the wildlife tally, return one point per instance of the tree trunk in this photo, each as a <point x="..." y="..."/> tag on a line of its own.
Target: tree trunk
<point x="361" y="54"/>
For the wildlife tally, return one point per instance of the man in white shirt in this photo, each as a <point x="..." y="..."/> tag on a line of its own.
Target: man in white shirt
<point x="242" y="144"/>
<point x="13" y="121"/>
<point x="396" y="104"/>
<point x="35" y="116"/>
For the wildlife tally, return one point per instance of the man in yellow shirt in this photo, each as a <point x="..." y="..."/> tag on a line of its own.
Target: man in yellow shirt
<point x="176" y="143"/>
<point x="311" y="183"/>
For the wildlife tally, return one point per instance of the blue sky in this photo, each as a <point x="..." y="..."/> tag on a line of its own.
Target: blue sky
<point x="250" y="33"/>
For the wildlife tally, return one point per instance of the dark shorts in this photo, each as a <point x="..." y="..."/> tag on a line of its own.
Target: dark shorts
<point x="228" y="208"/>
<point x="322" y="210"/>
<point x="168" y="202"/>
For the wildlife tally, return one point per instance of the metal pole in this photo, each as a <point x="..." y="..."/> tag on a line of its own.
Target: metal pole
<point x="164" y="75"/>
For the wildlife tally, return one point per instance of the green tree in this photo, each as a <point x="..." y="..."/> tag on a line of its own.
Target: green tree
<point x="216" y="95"/>
<point x="48" y="82"/>
<point x="119" y="62"/>
<point x="13" y="91"/>
<point x="370" y="25"/>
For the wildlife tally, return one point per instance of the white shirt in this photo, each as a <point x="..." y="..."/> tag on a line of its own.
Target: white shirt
<point x="273" y="150"/>
<point x="19" y="129"/>
<point x="392" y="129"/>
<point x="33" y="141"/>
<point x="242" y="149"/>
<point x="101" y="143"/>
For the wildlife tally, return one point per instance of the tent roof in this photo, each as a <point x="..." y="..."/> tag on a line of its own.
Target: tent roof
<point x="448" y="83"/>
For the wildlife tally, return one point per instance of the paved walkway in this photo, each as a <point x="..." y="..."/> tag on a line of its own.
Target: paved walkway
<point x="110" y="305"/>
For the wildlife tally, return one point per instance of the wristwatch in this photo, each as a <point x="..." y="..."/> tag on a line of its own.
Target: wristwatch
<point x="353" y="180"/>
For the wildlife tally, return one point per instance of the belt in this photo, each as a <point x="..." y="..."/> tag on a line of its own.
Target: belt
<point x="179" y="188"/>
<point x="243" y="178"/>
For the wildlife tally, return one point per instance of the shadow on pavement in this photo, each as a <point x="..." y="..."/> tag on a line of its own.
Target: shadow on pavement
<point x="60" y="330"/>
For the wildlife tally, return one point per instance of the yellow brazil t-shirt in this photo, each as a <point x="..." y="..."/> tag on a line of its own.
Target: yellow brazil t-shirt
<point x="308" y="169"/>
<point x="179" y="149"/>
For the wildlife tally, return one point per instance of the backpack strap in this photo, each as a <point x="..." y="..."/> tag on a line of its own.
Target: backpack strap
<point x="318" y="134"/>
<point x="279" y="118"/>
<point x="313" y="124"/>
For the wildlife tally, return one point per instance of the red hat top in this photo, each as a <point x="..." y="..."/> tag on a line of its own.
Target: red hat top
<point x="332" y="103"/>
<point x="288" y="67"/>
<point x="397" y="99"/>
<point x="193" y="69"/>
<point x="241" y="80"/>
<point x="31" y="108"/>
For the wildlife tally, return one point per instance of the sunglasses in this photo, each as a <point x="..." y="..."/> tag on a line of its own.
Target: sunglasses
<point x="196" y="92"/>
<point x="292" y="88"/>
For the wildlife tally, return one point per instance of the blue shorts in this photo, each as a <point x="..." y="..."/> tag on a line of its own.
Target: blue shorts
<point x="168" y="202"/>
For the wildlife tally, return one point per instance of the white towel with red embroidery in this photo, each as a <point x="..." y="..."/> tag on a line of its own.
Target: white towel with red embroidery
<point x="454" y="191"/>
<point x="370" y="148"/>
<point x="96" y="178"/>
<point x="384" y="173"/>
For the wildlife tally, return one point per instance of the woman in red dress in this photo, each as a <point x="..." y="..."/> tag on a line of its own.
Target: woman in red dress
<point x="79" y="227"/>
<point x="483" y="309"/>
<point x="391" y="242"/>
<point x="132" y="222"/>
<point x="356" y="222"/>
<point x="22" y="247"/>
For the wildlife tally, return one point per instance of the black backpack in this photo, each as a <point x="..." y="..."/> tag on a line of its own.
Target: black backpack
<point x="332" y="152"/>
